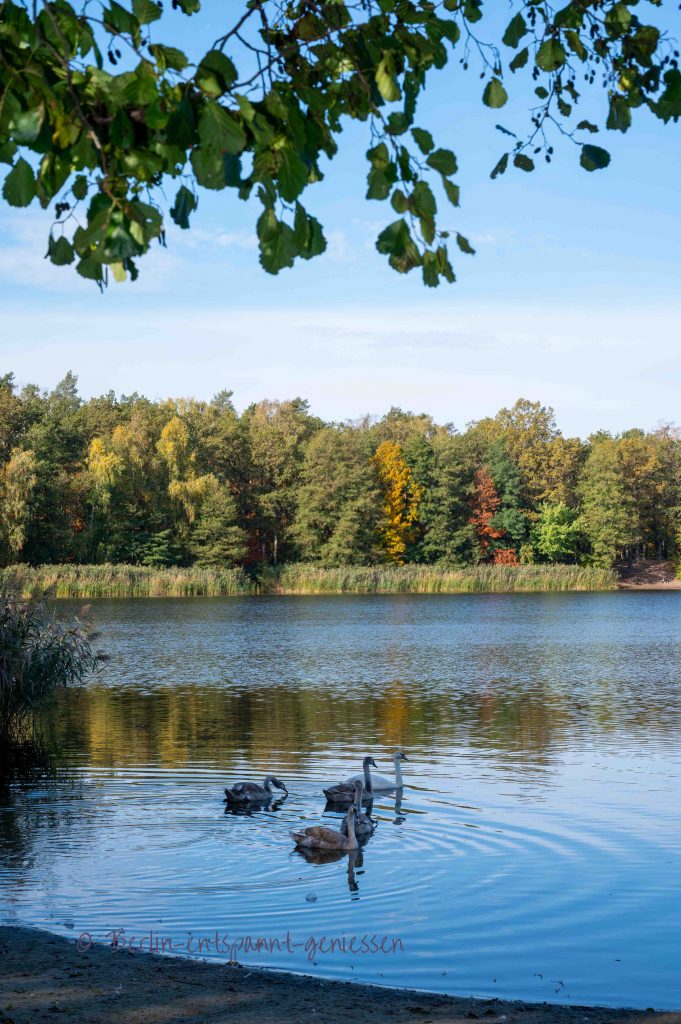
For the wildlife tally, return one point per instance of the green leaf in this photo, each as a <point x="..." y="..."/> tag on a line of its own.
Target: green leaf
<point x="515" y="31"/>
<point x="146" y="11"/>
<point x="669" y="104"/>
<point x="452" y="191"/>
<point x="386" y="80"/>
<point x="422" y="200"/>
<point x="189" y="6"/>
<point x="431" y="273"/>
<point x="79" y="187"/>
<point x="393" y="239"/>
<point x="619" y="114"/>
<point x="277" y="243"/>
<point x="495" y="95"/>
<point x="90" y="268"/>
<point x="575" y="43"/>
<point x="169" y="57"/>
<point x="399" y="201"/>
<point x="26" y="124"/>
<point x="209" y="167"/>
<point x="500" y="167"/>
<point x="550" y="55"/>
<point x="523" y="162"/>
<point x="185" y="204"/>
<point x="464" y="245"/>
<point x="120" y="243"/>
<point x="121" y="131"/>
<point x="423" y="139"/>
<point x="587" y="126"/>
<point x="118" y="20"/>
<point x="520" y="60"/>
<point x="219" y="129"/>
<point x="442" y="160"/>
<point x="60" y="251"/>
<point x="308" y="233"/>
<point x="541" y="92"/>
<point x="292" y="173"/>
<point x="618" y="20"/>
<point x="594" y="158"/>
<point x="19" y="187"/>
<point x="215" y="74"/>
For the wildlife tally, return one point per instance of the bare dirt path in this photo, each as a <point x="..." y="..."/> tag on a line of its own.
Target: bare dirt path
<point x="43" y="977"/>
<point x="647" y="574"/>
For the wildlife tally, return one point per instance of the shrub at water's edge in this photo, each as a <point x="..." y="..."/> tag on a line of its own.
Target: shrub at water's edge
<point x="40" y="655"/>
<point x="91" y="581"/>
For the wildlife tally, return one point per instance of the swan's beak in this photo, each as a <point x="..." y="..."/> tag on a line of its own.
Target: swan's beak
<point x="404" y="757"/>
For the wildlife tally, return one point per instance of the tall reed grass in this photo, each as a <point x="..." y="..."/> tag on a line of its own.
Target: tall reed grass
<point x="90" y="581"/>
<point x="40" y="655"/>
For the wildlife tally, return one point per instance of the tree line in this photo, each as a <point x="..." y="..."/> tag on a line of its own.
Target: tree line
<point x="186" y="482"/>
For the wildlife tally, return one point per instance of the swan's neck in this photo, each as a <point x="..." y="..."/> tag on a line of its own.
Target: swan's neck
<point x="367" y="778"/>
<point x="398" y="772"/>
<point x="267" y="786"/>
<point x="352" y="838"/>
<point x="357" y="803"/>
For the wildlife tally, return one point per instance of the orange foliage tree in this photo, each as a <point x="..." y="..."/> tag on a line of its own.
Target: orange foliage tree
<point x="401" y="500"/>
<point x="484" y="507"/>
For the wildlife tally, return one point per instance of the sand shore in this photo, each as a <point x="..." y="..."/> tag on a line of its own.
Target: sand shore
<point x="43" y="977"/>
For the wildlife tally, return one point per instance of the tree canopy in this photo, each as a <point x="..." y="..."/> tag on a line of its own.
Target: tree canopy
<point x="99" y="109"/>
<point x="186" y="482"/>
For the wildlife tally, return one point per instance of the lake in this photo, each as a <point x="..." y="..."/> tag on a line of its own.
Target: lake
<point x="533" y="853"/>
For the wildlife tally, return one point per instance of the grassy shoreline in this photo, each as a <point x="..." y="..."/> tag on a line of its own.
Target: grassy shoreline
<point x="91" y="581"/>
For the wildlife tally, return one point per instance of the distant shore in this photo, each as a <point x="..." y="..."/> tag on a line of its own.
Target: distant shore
<point x="92" y="581"/>
<point x="44" y="977"/>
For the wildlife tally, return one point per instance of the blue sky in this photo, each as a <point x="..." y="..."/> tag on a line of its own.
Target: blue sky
<point x="572" y="298"/>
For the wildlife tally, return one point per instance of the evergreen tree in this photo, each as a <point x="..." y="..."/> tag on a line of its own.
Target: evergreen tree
<point x="216" y="537"/>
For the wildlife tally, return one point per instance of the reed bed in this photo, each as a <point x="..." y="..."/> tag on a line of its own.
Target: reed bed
<point x="91" y="581"/>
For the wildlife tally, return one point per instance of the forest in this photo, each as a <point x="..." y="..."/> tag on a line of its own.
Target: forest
<point x="183" y="482"/>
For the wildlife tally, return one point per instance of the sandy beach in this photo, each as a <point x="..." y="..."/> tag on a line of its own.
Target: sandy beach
<point x="43" y="977"/>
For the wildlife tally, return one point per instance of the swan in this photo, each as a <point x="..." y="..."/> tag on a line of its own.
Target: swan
<point x="344" y="791"/>
<point x="251" y="792"/>
<point x="364" y="824"/>
<point x="380" y="783"/>
<point x="322" y="838"/>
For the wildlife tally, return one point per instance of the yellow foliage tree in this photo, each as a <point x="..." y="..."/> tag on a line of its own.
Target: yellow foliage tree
<point x="17" y="480"/>
<point x="104" y="469"/>
<point x="401" y="499"/>
<point x="174" y="447"/>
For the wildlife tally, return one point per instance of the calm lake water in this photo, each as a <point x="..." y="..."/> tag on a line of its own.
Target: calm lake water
<point x="533" y="853"/>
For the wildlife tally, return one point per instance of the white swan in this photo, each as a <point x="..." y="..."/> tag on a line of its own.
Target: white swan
<point x="380" y="783"/>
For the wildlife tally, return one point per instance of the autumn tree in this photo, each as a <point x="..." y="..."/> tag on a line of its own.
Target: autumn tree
<point x="17" y="481"/>
<point x="484" y="508"/>
<point x="101" y="109"/>
<point x="401" y="500"/>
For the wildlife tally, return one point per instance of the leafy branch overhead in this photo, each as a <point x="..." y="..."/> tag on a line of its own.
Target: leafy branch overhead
<point x="97" y="113"/>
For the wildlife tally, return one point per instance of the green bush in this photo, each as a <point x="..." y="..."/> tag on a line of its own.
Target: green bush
<point x="40" y="655"/>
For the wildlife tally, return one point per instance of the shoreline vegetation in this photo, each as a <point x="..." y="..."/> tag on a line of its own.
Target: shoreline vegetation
<point x="42" y="974"/>
<point x="93" y="581"/>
